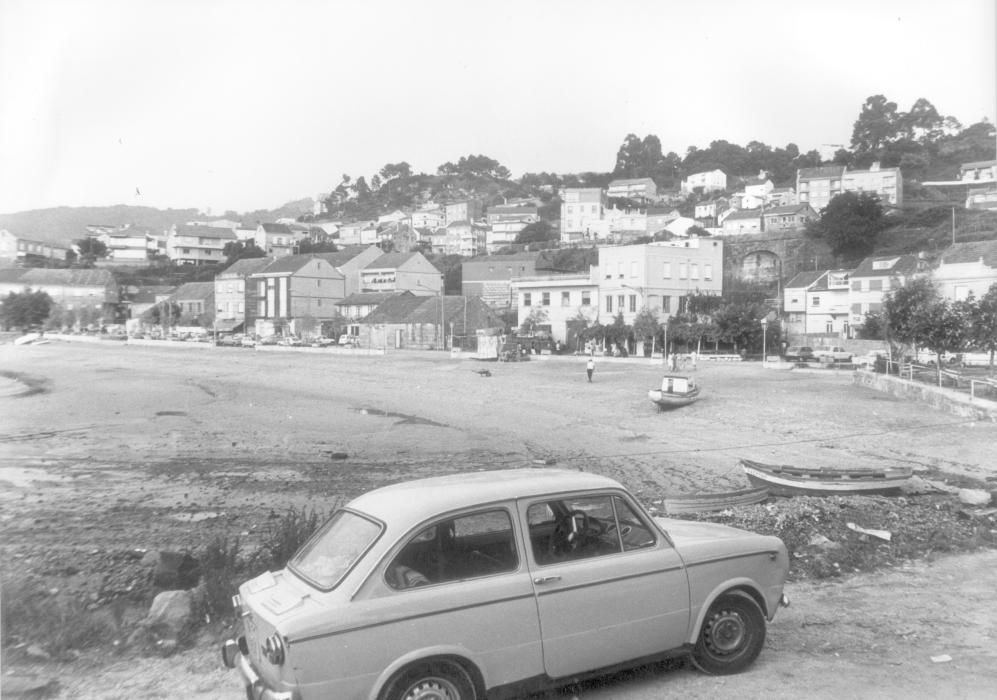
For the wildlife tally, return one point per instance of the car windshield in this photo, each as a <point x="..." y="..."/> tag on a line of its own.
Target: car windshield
<point x="326" y="558"/>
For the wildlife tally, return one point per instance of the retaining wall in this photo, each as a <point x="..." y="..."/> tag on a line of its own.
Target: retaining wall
<point x="943" y="399"/>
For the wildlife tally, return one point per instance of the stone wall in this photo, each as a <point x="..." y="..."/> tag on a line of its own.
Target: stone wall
<point x="947" y="400"/>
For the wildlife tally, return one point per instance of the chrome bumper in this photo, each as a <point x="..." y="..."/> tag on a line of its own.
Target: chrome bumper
<point x="256" y="689"/>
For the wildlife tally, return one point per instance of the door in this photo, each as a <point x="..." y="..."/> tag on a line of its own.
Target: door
<point x="609" y="586"/>
<point x="398" y="338"/>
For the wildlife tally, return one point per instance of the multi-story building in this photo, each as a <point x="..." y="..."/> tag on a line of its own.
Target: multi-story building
<point x="505" y="223"/>
<point x="131" y="245"/>
<point x="582" y="211"/>
<point x="966" y="269"/>
<point x="641" y="189"/>
<point x="464" y="210"/>
<point x="981" y="176"/>
<point x="278" y="240"/>
<point x="559" y="299"/>
<point x="350" y="261"/>
<point x="234" y="298"/>
<point x="874" y="278"/>
<point x="658" y="276"/>
<point x="818" y="186"/>
<point x="294" y="292"/>
<point x="395" y="272"/>
<point x="197" y="245"/>
<point x="490" y="278"/>
<point x="355" y="233"/>
<point x="710" y="181"/>
<point x="18" y="248"/>
<point x="759" y="187"/>
<point x="429" y="218"/>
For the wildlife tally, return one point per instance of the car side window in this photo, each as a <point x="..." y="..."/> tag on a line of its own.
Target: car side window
<point x="634" y="533"/>
<point x="466" y="547"/>
<point x="573" y="528"/>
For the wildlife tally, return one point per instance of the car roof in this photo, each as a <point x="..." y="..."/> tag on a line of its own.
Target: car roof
<point x="413" y="501"/>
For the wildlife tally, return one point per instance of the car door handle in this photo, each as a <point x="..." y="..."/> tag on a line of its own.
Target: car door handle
<point x="540" y="580"/>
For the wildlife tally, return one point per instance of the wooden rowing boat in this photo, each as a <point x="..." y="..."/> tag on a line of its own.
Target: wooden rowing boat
<point x="706" y="502"/>
<point x="676" y="390"/>
<point x="783" y="480"/>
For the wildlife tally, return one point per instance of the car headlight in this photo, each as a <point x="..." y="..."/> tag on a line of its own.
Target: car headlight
<point x="273" y="649"/>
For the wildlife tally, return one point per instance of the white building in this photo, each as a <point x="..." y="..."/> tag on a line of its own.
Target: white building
<point x="582" y="210"/>
<point x="966" y="269"/>
<point x="559" y="298"/>
<point x="710" y="181"/>
<point x="817" y="302"/>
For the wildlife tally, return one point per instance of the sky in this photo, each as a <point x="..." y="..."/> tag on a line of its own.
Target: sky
<point x="247" y="104"/>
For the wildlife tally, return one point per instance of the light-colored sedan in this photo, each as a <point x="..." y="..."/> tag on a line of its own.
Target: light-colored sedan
<point x="494" y="584"/>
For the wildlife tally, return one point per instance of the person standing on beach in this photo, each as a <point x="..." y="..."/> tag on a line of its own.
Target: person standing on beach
<point x="590" y="367"/>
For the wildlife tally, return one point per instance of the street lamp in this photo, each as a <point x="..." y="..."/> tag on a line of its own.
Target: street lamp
<point x="765" y="325"/>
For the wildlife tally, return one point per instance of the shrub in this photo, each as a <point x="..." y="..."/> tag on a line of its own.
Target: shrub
<point x="286" y="536"/>
<point x="221" y="573"/>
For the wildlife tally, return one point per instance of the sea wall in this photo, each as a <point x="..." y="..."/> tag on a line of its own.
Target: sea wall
<point x="955" y="402"/>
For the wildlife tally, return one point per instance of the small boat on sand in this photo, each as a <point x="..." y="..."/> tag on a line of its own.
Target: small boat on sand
<point x="707" y="502"/>
<point x="783" y="480"/>
<point x="676" y="390"/>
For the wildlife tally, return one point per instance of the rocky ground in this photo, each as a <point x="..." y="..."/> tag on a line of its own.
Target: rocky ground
<point x="114" y="454"/>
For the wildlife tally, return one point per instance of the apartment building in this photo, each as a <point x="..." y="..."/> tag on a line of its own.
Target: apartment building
<point x="197" y="245"/>
<point x="818" y="186"/>
<point x="710" y="181"/>
<point x="582" y="214"/>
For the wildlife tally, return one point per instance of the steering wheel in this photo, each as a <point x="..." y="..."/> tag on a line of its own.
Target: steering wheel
<point x="571" y="531"/>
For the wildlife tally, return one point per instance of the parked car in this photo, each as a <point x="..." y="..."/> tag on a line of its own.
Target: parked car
<point x="478" y="584"/>
<point x="349" y="340"/>
<point x="799" y="353"/>
<point x="831" y="353"/>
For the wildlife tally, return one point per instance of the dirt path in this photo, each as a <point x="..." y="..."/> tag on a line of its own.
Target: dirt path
<point x="123" y="449"/>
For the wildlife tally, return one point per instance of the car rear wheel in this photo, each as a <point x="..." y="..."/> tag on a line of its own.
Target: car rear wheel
<point x="732" y="635"/>
<point x="436" y="681"/>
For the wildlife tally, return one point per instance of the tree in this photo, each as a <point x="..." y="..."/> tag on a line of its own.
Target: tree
<point x="536" y="318"/>
<point x="646" y="326"/>
<point x="946" y="328"/>
<point x="873" y="327"/>
<point x="240" y="250"/>
<point x="90" y="249"/>
<point x="537" y="232"/>
<point x="849" y="224"/>
<point x="375" y="182"/>
<point x="392" y="170"/>
<point x="984" y="323"/>
<point x="905" y="314"/>
<point x="878" y="124"/>
<point x="25" y="310"/>
<point x="618" y="332"/>
<point x="740" y="324"/>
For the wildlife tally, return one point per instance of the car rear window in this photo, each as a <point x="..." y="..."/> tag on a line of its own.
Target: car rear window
<point x="327" y="557"/>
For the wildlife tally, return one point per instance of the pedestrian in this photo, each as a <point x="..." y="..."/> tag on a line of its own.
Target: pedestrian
<point x="590" y="367"/>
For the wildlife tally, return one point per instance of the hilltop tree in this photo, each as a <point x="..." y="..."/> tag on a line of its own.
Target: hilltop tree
<point x="878" y="123"/>
<point x="392" y="170"/>
<point x="849" y="224"/>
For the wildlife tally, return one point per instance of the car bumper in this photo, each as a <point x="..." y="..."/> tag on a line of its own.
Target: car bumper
<point x="256" y="688"/>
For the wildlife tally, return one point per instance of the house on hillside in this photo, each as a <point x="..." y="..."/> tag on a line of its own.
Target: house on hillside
<point x="793" y="217"/>
<point x="737" y="222"/>
<point x="18" y="249"/>
<point x="505" y="223"/>
<point x="278" y="240"/>
<point x="464" y="210"/>
<point x="582" y="214"/>
<point x="394" y="272"/>
<point x="709" y="181"/>
<point x="966" y="269"/>
<point x="642" y="189"/>
<point x="132" y="245"/>
<point x="432" y="218"/>
<point x="197" y="245"/>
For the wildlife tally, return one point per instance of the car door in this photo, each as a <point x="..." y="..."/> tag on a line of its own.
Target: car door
<point x="620" y="597"/>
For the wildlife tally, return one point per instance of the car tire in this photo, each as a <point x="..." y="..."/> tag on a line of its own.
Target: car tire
<point x="732" y="635"/>
<point x="442" y="679"/>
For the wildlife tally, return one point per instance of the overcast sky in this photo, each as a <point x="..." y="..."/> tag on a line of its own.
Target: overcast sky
<point x="247" y="104"/>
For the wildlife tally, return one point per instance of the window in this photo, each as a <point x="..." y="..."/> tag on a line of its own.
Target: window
<point x="565" y="298"/>
<point x="815" y="301"/>
<point x="609" y="304"/>
<point x="875" y="285"/>
<point x="683" y="271"/>
<point x="707" y="271"/>
<point x="856" y="308"/>
<point x="334" y="549"/>
<point x="666" y="304"/>
<point x="666" y="270"/>
<point x="586" y="298"/>
<point x="470" y="546"/>
<point x="694" y="271"/>
<point x="585" y="527"/>
<point x="545" y="299"/>
<point x="856" y="285"/>
<point x="875" y="307"/>
<point x="633" y="302"/>
<point x="633" y="269"/>
<point x="620" y="302"/>
<point x="527" y="299"/>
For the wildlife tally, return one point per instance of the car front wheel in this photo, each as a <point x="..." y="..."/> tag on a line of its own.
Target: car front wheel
<point x="436" y="681"/>
<point x="732" y="635"/>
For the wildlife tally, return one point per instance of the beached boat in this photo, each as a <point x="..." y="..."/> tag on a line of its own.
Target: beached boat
<point x="707" y="502"/>
<point x="783" y="480"/>
<point x="676" y="390"/>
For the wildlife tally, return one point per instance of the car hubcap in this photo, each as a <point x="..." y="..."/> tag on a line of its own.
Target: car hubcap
<point x="432" y="689"/>
<point x="726" y="633"/>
